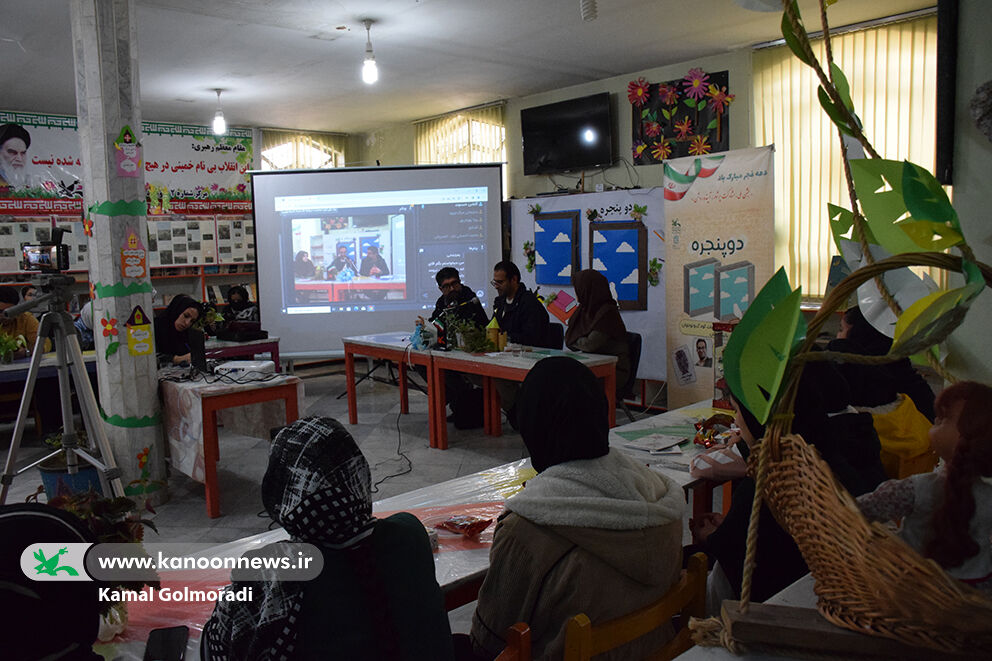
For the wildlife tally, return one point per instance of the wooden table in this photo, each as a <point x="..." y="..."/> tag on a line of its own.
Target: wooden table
<point x="511" y="367"/>
<point x="388" y="346"/>
<point x="224" y="349"/>
<point x="190" y="418"/>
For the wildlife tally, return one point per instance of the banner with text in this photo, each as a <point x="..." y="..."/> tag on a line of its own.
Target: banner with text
<point x="188" y="170"/>
<point x="720" y="214"/>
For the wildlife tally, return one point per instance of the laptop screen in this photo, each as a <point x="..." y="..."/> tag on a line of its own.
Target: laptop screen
<point x="197" y="351"/>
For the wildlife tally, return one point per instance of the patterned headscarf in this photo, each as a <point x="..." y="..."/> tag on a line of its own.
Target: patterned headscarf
<point x="317" y="486"/>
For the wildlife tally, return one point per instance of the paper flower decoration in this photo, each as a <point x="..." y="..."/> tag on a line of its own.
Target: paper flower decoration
<point x="143" y="458"/>
<point x="699" y="146"/>
<point x="638" y="92"/>
<point x="88" y="226"/>
<point x="719" y="99"/>
<point x="652" y="129"/>
<point x="683" y="129"/>
<point x="109" y="326"/>
<point x="669" y="94"/>
<point x="639" y="148"/>
<point x="661" y="150"/>
<point x="694" y="83"/>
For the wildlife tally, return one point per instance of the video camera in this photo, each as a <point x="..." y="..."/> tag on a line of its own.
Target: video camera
<point x="48" y="256"/>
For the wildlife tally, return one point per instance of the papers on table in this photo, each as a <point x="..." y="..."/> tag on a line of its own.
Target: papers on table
<point x="656" y="443"/>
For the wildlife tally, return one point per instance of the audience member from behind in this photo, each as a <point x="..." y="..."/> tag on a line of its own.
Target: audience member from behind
<point x="877" y="385"/>
<point x="516" y="309"/>
<point x="239" y="306"/>
<point x="172" y="330"/>
<point x="303" y="267"/>
<point x="846" y="441"/>
<point x="596" y="326"/>
<point x="373" y="264"/>
<point x="947" y="514"/>
<point x="376" y="597"/>
<point x="594" y="532"/>
<point x="24" y="324"/>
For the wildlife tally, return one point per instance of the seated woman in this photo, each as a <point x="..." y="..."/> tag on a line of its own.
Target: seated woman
<point x="594" y="532"/>
<point x="376" y="597"/>
<point x="877" y="385"/>
<point x="596" y="326"/>
<point x="172" y="330"/>
<point x="239" y="307"/>
<point x="303" y="267"/>
<point x="84" y="326"/>
<point x="846" y="441"/>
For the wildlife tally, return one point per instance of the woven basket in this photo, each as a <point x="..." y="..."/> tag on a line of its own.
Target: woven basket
<point x="866" y="579"/>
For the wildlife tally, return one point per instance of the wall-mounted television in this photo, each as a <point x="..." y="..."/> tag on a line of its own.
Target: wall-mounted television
<point x="569" y="135"/>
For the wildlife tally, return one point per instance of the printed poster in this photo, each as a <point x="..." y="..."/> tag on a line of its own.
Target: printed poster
<point x="720" y="213"/>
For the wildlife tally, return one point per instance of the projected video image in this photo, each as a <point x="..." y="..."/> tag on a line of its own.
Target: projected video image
<point x="359" y="257"/>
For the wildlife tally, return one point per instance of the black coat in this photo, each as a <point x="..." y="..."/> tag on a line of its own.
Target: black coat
<point x="464" y="305"/>
<point x="525" y="320"/>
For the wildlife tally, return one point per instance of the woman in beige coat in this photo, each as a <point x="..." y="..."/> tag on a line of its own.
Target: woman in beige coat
<point x="594" y="532"/>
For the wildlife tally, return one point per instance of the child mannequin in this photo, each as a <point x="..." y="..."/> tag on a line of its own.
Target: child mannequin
<point x="947" y="514"/>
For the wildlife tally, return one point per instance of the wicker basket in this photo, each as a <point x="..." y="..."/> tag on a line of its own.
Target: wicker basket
<point x="867" y="579"/>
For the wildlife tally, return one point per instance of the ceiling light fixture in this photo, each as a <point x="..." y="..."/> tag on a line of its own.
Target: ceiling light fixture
<point x="220" y="124"/>
<point x="588" y="10"/>
<point x="370" y="72"/>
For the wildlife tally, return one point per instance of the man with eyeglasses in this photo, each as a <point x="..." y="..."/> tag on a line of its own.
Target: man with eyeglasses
<point x="517" y="310"/>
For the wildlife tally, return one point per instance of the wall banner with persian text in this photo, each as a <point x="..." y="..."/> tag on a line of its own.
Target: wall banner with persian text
<point x="188" y="170"/>
<point x="720" y="216"/>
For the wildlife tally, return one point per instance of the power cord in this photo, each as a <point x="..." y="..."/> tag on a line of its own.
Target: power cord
<point x="400" y="453"/>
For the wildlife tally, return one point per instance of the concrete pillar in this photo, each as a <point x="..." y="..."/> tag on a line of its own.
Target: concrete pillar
<point x="106" y="62"/>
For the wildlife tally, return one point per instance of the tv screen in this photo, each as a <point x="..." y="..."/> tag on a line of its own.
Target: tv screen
<point x="569" y="135"/>
<point x="354" y="251"/>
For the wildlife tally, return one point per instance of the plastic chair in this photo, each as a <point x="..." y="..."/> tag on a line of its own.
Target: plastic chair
<point x="686" y="598"/>
<point x="517" y="644"/>
<point x="634" y="355"/>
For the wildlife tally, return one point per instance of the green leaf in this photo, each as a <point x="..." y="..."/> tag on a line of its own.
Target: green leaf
<point x="690" y="103"/>
<point x="712" y="124"/>
<point x="935" y="224"/>
<point x="666" y="114"/>
<point x="760" y="347"/>
<point x="112" y="349"/>
<point x="700" y="104"/>
<point x="831" y="109"/>
<point x="843" y="87"/>
<point x="644" y="113"/>
<point x="884" y="208"/>
<point x="931" y="319"/>
<point x="841" y="221"/>
<point x="791" y="39"/>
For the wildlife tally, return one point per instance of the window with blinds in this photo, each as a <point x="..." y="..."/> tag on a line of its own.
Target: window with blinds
<point x="468" y="136"/>
<point x="892" y="72"/>
<point x="289" y="150"/>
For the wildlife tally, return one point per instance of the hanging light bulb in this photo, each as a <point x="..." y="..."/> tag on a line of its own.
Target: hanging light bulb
<point x="220" y="124"/>
<point x="370" y="72"/>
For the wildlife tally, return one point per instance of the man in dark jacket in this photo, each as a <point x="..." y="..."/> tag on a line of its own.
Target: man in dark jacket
<point x="461" y="301"/>
<point x="516" y="308"/>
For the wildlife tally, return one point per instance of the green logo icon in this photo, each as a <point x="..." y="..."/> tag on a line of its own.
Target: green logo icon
<point x="51" y="565"/>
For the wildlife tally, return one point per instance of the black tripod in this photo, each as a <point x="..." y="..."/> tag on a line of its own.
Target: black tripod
<point x="57" y="324"/>
<point x="392" y="380"/>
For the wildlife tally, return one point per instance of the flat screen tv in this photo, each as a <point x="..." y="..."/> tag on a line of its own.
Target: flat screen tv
<point x="569" y="135"/>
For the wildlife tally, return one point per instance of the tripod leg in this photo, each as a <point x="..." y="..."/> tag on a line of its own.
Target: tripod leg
<point x="9" y="470"/>
<point x="69" y="439"/>
<point x="91" y="414"/>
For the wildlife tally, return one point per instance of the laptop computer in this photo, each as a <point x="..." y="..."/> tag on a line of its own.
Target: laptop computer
<point x="197" y="350"/>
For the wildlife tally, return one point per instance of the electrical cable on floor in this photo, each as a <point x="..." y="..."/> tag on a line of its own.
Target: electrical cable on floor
<point x="399" y="452"/>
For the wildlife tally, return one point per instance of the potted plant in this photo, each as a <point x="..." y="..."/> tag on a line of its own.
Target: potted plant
<point x="9" y="345"/>
<point x="55" y="476"/>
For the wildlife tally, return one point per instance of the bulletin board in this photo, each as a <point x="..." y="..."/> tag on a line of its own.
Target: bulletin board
<point x="720" y="213"/>
<point x="632" y="217"/>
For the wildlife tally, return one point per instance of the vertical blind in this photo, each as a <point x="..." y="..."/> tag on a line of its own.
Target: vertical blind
<point x="892" y="72"/>
<point x="467" y="136"/>
<point x="286" y="150"/>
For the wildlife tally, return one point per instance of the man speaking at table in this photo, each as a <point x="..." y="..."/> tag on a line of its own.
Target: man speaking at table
<point x="517" y="310"/>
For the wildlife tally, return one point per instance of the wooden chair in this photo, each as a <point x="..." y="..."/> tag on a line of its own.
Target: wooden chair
<point x="686" y="598"/>
<point x="517" y="644"/>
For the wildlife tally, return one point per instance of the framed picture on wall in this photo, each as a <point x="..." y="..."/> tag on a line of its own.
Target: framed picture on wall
<point x="556" y="244"/>
<point x="619" y="251"/>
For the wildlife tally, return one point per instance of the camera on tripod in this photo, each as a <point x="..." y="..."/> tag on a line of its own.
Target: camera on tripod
<point x="47" y="256"/>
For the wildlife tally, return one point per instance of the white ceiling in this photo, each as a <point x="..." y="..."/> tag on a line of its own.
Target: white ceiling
<point x="296" y="63"/>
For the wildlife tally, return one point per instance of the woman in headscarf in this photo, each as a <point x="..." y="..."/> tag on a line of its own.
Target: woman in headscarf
<point x="594" y="532"/>
<point x="376" y="597"/>
<point x="596" y="326"/>
<point x="172" y="330"/>
<point x="84" y="326"/>
<point x="303" y="267"/>
<point x="239" y="307"/>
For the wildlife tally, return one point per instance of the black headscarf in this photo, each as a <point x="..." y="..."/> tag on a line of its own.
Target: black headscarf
<point x="317" y="486"/>
<point x="562" y="413"/>
<point x="169" y="341"/>
<point x="597" y="309"/>
<point x="243" y="304"/>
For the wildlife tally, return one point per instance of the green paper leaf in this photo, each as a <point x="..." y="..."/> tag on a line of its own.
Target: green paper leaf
<point x="691" y="103"/>
<point x="712" y="124"/>
<point x="791" y="39"/>
<point x="759" y="349"/>
<point x="931" y="319"/>
<point x="883" y="209"/>
<point x="831" y="109"/>
<point x="843" y="88"/>
<point x="666" y="114"/>
<point x="112" y="349"/>
<point x="700" y="104"/>
<point x="935" y="225"/>
<point x="644" y="113"/>
<point x="841" y="221"/>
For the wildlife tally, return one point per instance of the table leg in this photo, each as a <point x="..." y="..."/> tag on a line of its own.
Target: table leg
<point x="495" y="411"/>
<point x="487" y="407"/>
<point x="211" y="453"/>
<point x="404" y="394"/>
<point x="292" y="407"/>
<point x="440" y="438"/>
<point x="702" y="498"/>
<point x="349" y="377"/>
<point x="275" y="356"/>
<point x="728" y="495"/>
<point x="610" y="386"/>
